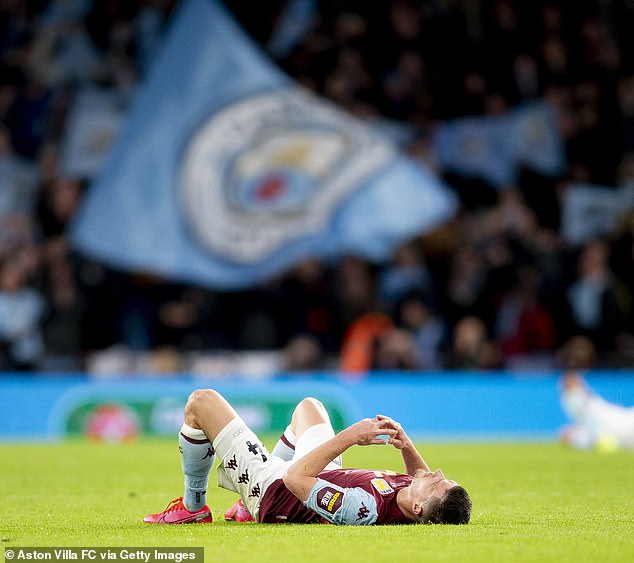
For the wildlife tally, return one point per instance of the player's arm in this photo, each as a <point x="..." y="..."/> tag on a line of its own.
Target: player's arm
<point x="301" y="477"/>
<point x="412" y="459"/>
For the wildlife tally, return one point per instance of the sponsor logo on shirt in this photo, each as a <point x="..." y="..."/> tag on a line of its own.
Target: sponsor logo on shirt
<point x="329" y="499"/>
<point x="381" y="486"/>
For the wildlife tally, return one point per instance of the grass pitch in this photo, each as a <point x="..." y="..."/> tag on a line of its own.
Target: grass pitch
<point x="531" y="502"/>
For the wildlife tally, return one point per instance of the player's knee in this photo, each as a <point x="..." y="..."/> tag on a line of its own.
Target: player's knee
<point x="310" y="403"/>
<point x="197" y="402"/>
<point x="308" y="408"/>
<point x="309" y="412"/>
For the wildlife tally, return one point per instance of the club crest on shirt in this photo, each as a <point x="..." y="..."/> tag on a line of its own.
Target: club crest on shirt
<point x="272" y="169"/>
<point x="329" y="499"/>
<point x="382" y="486"/>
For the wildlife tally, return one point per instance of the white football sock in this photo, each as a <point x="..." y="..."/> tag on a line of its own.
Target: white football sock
<point x="197" y="459"/>
<point x="285" y="447"/>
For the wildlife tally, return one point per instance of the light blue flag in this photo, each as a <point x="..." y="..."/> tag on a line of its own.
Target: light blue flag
<point x="294" y="22"/>
<point x="589" y="211"/>
<point x="535" y="139"/>
<point x="93" y="125"/>
<point x="477" y="147"/>
<point x="226" y="173"/>
<point x="493" y="148"/>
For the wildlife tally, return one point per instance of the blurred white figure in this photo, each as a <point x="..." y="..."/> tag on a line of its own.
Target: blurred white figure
<point x="596" y="423"/>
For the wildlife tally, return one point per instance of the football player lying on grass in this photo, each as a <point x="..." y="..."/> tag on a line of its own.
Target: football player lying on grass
<point x="302" y="479"/>
<point x="596" y="423"/>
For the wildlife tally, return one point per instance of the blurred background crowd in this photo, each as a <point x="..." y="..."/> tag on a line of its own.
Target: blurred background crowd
<point x="497" y="287"/>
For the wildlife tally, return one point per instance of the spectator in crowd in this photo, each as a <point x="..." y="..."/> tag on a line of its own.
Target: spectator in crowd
<point x="18" y="178"/>
<point x="62" y="321"/>
<point x="21" y="312"/>
<point x="471" y="347"/>
<point x="415" y="314"/>
<point x="577" y="353"/>
<point x="308" y="306"/>
<point x="593" y="300"/>
<point x="395" y="350"/>
<point x="523" y="325"/>
<point x="360" y="342"/>
<point x="405" y="273"/>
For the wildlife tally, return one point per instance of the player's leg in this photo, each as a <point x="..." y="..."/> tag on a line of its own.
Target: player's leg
<point x="309" y="413"/>
<point x="312" y="427"/>
<point x="206" y="414"/>
<point x="208" y="411"/>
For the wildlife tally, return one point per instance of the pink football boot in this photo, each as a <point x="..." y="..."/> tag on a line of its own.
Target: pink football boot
<point x="238" y="513"/>
<point x="176" y="513"/>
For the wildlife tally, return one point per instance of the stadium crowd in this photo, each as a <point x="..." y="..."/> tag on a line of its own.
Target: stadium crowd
<point x="497" y="287"/>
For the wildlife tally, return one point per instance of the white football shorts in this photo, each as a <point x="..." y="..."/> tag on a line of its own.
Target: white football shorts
<point x="246" y="467"/>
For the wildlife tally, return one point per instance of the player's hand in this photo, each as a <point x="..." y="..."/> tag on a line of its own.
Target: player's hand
<point x="400" y="439"/>
<point x="367" y="431"/>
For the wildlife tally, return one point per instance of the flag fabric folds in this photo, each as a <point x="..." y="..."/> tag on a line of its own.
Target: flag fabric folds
<point x="226" y="173"/>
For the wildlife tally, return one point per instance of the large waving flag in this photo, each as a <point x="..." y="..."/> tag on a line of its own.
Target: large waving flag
<point x="226" y="173"/>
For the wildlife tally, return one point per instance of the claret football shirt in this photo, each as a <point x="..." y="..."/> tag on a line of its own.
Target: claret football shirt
<point x="341" y="496"/>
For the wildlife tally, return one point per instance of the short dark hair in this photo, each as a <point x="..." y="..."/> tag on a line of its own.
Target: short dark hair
<point x="455" y="508"/>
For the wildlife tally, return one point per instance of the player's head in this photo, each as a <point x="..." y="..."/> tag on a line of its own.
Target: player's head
<point x="435" y="499"/>
<point x="454" y="508"/>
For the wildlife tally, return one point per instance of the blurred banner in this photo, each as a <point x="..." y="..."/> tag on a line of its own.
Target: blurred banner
<point x="494" y="148"/>
<point x="93" y="125"/>
<point x="226" y="173"/>
<point x="475" y="147"/>
<point x="589" y="211"/>
<point x="430" y="405"/>
<point x="535" y="139"/>
<point x="294" y="22"/>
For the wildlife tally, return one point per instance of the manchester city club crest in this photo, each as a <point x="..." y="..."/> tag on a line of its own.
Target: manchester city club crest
<point x="272" y="169"/>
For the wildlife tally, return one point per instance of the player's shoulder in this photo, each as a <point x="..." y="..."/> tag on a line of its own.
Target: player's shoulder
<point x="340" y="504"/>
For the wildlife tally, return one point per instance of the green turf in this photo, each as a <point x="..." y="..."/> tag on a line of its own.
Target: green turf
<point x="532" y="502"/>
